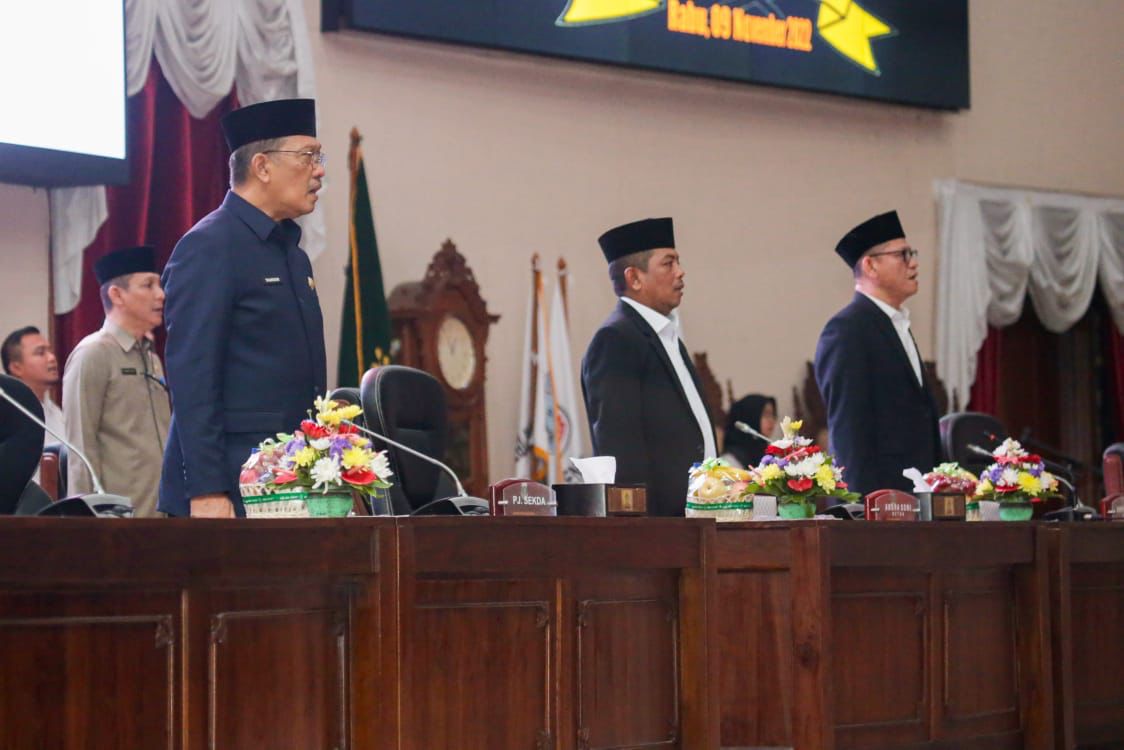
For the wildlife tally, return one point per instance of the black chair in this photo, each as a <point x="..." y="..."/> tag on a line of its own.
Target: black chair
<point x="21" y="442"/>
<point x="408" y="405"/>
<point x="961" y="429"/>
<point x="1113" y="463"/>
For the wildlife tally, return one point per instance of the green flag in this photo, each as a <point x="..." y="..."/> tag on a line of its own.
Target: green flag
<point x="365" y="327"/>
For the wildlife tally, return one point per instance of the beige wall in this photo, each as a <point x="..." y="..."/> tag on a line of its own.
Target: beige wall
<point x="512" y="155"/>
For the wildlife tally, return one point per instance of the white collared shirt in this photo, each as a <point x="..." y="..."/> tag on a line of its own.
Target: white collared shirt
<point x="900" y="318"/>
<point x="667" y="328"/>
<point x="52" y="415"/>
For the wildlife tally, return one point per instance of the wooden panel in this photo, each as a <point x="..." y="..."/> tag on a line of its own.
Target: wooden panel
<point x="1098" y="652"/>
<point x="979" y="685"/>
<point x="276" y="669"/>
<point x="627" y="660"/>
<point x="82" y="672"/>
<point x="479" y="661"/>
<point x="880" y="670"/>
<point x="756" y="674"/>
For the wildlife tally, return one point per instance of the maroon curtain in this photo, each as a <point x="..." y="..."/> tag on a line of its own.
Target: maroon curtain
<point x="985" y="391"/>
<point x="178" y="174"/>
<point x="1114" y="348"/>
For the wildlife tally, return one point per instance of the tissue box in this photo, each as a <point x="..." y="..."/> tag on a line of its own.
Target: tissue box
<point x="601" y="499"/>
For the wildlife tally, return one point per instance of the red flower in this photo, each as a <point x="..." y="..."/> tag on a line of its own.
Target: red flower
<point x="284" y="476"/>
<point x="313" y="430"/>
<point x="1033" y="458"/>
<point x="812" y="449"/>
<point x="347" y="429"/>
<point x="359" y="475"/>
<point x="800" y="485"/>
<point x="773" y="450"/>
<point x="841" y="485"/>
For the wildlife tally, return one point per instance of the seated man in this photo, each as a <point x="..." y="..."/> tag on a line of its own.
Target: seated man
<point x="27" y="356"/>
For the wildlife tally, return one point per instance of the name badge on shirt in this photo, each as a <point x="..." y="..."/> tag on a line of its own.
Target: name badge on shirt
<point x="272" y="280"/>
<point x="311" y="284"/>
<point x="128" y="371"/>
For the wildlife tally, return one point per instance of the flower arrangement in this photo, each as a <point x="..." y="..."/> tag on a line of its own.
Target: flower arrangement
<point x="795" y="470"/>
<point x="952" y="478"/>
<point x="1016" y="477"/>
<point x="323" y="455"/>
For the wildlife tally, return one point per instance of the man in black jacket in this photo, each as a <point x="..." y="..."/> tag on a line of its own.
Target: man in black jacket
<point x="880" y="408"/>
<point x="642" y="395"/>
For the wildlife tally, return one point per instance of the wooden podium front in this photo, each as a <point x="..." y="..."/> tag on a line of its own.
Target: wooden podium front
<point x="862" y="635"/>
<point x="404" y="634"/>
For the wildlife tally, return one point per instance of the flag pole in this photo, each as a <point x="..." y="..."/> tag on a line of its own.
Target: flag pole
<point x="354" y="156"/>
<point x="563" y="274"/>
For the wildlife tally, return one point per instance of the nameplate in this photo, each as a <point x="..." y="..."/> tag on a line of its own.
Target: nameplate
<point x="892" y="505"/>
<point x="521" y="497"/>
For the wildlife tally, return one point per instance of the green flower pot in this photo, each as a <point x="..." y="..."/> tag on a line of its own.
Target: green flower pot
<point x="1015" y="511"/>
<point x="794" y="510"/>
<point x="329" y="505"/>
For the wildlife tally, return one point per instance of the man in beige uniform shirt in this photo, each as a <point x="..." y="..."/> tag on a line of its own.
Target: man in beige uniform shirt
<point x="114" y="399"/>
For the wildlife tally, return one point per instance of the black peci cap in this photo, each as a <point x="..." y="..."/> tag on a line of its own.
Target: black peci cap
<point x="875" y="231"/>
<point x="275" y="119"/>
<point x="125" y="261"/>
<point x="646" y="234"/>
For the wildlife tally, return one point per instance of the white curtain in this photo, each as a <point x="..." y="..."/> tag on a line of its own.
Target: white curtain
<point x="998" y="244"/>
<point x="205" y="48"/>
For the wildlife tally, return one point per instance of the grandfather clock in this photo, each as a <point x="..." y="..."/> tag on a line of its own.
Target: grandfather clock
<point x="441" y="324"/>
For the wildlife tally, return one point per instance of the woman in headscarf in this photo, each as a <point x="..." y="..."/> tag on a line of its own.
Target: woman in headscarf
<point x="759" y="412"/>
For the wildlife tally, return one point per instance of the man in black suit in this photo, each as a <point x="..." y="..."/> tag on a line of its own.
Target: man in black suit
<point x="880" y="409"/>
<point x="642" y="394"/>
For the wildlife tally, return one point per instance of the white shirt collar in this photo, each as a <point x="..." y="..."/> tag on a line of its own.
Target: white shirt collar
<point x="658" y="321"/>
<point x="896" y="314"/>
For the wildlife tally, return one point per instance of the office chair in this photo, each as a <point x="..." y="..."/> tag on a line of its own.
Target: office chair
<point x="21" y="443"/>
<point x="408" y="405"/>
<point x="960" y="429"/>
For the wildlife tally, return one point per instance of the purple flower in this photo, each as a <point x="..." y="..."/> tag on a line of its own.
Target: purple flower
<point x="1036" y="471"/>
<point x="767" y="459"/>
<point x="340" y="443"/>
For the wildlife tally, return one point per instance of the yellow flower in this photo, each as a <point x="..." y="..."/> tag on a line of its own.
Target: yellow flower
<point x="791" y="428"/>
<point x="825" y="477"/>
<point x="306" y="456"/>
<point x="354" y="458"/>
<point x="1029" y="483"/>
<point x="771" y="472"/>
<point x="984" y="488"/>
<point x="349" y="412"/>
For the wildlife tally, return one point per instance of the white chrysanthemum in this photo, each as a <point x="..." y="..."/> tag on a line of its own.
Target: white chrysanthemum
<point x="804" y="468"/>
<point x="326" y="473"/>
<point x="817" y="459"/>
<point x="321" y="444"/>
<point x="380" y="465"/>
<point x="1010" y="448"/>
<point x="1009" y="477"/>
<point x="783" y="444"/>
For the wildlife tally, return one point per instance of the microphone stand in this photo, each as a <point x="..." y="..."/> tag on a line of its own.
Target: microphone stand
<point x="99" y="496"/>
<point x="743" y="427"/>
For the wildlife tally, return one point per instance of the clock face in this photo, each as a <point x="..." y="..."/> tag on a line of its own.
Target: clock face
<point x="456" y="352"/>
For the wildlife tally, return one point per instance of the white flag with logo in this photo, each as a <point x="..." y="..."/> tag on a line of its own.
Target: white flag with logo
<point x="566" y="410"/>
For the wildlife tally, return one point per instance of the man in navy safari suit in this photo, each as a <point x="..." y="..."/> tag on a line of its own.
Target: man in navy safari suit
<point x="880" y="408"/>
<point x="245" y="352"/>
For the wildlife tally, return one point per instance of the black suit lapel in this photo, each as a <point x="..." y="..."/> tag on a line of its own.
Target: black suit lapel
<point x="654" y="341"/>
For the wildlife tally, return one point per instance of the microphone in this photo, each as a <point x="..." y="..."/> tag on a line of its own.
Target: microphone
<point x="743" y="427"/>
<point x="979" y="451"/>
<point x="99" y="497"/>
<point x="474" y="506"/>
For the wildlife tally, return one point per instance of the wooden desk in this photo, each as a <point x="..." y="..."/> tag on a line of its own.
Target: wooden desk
<point x="360" y="633"/>
<point x="866" y="635"/>
<point x="1087" y="608"/>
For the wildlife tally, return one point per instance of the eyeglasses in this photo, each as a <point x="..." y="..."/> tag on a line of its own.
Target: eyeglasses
<point x="907" y="254"/>
<point x="308" y="158"/>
